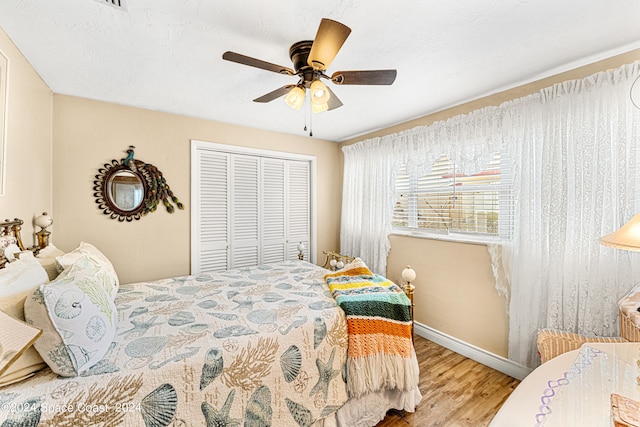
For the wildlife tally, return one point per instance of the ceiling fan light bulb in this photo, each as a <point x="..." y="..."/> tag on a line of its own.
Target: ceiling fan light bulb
<point x="295" y="98"/>
<point x="319" y="92"/>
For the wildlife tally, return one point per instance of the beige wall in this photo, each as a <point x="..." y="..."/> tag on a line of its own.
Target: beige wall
<point x="89" y="133"/>
<point x="28" y="142"/>
<point x="455" y="291"/>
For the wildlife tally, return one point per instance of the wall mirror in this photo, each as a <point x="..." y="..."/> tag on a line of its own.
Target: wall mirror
<point x="126" y="190"/>
<point x="120" y="192"/>
<point x="130" y="188"/>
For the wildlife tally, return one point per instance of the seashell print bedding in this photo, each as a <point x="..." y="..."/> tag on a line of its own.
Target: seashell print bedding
<point x="255" y="347"/>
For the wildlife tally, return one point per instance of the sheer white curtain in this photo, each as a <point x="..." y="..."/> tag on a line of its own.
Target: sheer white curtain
<point x="577" y="161"/>
<point x="367" y="202"/>
<point x="371" y="166"/>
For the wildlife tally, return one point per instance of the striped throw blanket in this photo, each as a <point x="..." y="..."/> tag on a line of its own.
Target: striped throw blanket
<point x="380" y="353"/>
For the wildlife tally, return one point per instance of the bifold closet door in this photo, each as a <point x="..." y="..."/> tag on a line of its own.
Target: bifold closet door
<point x="248" y="210"/>
<point x="245" y="211"/>
<point x="211" y="213"/>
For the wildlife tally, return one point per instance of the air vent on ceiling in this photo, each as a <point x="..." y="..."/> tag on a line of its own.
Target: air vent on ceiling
<point x="118" y="4"/>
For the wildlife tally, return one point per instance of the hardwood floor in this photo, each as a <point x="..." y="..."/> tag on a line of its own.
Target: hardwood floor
<point x="456" y="391"/>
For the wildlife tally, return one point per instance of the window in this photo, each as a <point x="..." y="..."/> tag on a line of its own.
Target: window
<point x="474" y="207"/>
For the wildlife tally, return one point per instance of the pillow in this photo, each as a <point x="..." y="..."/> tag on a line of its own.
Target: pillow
<point x="21" y="275"/>
<point x="24" y="367"/>
<point x="15" y="338"/>
<point x="30" y="361"/>
<point x="50" y="251"/>
<point x="50" y="265"/>
<point x="78" y="317"/>
<point x="103" y="266"/>
<point x="6" y="241"/>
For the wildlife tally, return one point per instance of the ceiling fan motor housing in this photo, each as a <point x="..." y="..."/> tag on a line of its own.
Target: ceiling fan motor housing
<point x="299" y="54"/>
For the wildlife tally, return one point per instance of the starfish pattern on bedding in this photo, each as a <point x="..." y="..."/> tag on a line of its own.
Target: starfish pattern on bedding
<point x="325" y="374"/>
<point x="215" y="418"/>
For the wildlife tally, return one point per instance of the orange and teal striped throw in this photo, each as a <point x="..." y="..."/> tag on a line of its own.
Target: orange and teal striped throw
<point x="378" y="314"/>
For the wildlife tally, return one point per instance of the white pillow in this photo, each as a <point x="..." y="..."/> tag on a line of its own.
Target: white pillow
<point x="21" y="275"/>
<point x="50" y="265"/>
<point x="104" y="267"/>
<point x="78" y="317"/>
<point x="50" y="251"/>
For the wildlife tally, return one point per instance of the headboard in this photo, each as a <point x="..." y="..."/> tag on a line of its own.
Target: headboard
<point x="10" y="233"/>
<point x="335" y="260"/>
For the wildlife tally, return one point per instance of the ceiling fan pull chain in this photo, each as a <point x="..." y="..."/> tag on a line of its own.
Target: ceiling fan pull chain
<point x="305" y="117"/>
<point x="310" y="120"/>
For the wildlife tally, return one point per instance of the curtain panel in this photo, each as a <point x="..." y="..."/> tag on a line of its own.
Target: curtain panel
<point x="371" y="166"/>
<point x="574" y="152"/>
<point x="576" y="162"/>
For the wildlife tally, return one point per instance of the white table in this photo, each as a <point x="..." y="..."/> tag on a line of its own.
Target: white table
<point x="574" y="388"/>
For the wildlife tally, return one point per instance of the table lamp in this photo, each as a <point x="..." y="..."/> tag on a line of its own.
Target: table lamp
<point x="626" y="237"/>
<point x="43" y="221"/>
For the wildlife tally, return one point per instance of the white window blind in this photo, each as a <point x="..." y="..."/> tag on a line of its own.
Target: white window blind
<point x="249" y="207"/>
<point x="477" y="206"/>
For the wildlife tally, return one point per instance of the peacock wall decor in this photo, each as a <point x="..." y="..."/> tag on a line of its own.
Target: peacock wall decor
<point x="129" y="189"/>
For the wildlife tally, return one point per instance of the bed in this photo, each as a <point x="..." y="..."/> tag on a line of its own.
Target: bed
<point x="259" y="346"/>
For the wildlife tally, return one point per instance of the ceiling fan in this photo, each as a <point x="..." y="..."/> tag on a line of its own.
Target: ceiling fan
<point x="311" y="58"/>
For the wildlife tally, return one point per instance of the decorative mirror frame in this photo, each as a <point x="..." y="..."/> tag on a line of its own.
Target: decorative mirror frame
<point x="102" y="193"/>
<point x="155" y="187"/>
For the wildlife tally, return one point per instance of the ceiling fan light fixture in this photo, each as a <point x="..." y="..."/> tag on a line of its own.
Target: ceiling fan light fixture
<point x="319" y="108"/>
<point x="319" y="92"/>
<point x="295" y="98"/>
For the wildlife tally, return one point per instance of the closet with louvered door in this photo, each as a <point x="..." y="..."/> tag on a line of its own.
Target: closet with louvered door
<point x="249" y="207"/>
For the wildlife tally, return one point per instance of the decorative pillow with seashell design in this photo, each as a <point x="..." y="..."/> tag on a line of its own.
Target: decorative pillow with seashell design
<point x="102" y="265"/>
<point x="78" y="317"/>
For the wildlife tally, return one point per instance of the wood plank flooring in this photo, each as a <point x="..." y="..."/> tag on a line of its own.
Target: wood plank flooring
<point x="456" y="391"/>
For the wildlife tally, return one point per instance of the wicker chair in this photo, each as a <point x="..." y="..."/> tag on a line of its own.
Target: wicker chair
<point x="552" y="343"/>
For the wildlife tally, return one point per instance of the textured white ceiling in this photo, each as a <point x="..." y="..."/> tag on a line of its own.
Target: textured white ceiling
<point x="166" y="55"/>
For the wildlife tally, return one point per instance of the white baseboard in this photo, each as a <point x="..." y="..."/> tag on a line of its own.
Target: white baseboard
<point x="487" y="358"/>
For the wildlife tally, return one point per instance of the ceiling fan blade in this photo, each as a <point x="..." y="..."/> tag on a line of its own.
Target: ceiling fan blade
<point x="364" y="77"/>
<point x="333" y="102"/>
<point x="329" y="39"/>
<point x="275" y="94"/>
<point x="253" y="62"/>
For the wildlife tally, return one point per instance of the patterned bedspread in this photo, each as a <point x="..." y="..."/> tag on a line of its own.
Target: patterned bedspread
<point x="253" y="347"/>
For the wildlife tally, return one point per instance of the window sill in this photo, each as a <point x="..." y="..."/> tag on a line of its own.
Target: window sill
<point x="452" y="237"/>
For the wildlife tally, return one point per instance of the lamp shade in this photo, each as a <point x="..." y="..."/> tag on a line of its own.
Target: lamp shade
<point x="409" y="274"/>
<point x="319" y="108"/>
<point x="295" y="98"/>
<point x="319" y="92"/>
<point x="626" y="237"/>
<point x="43" y="221"/>
<point x="301" y="247"/>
